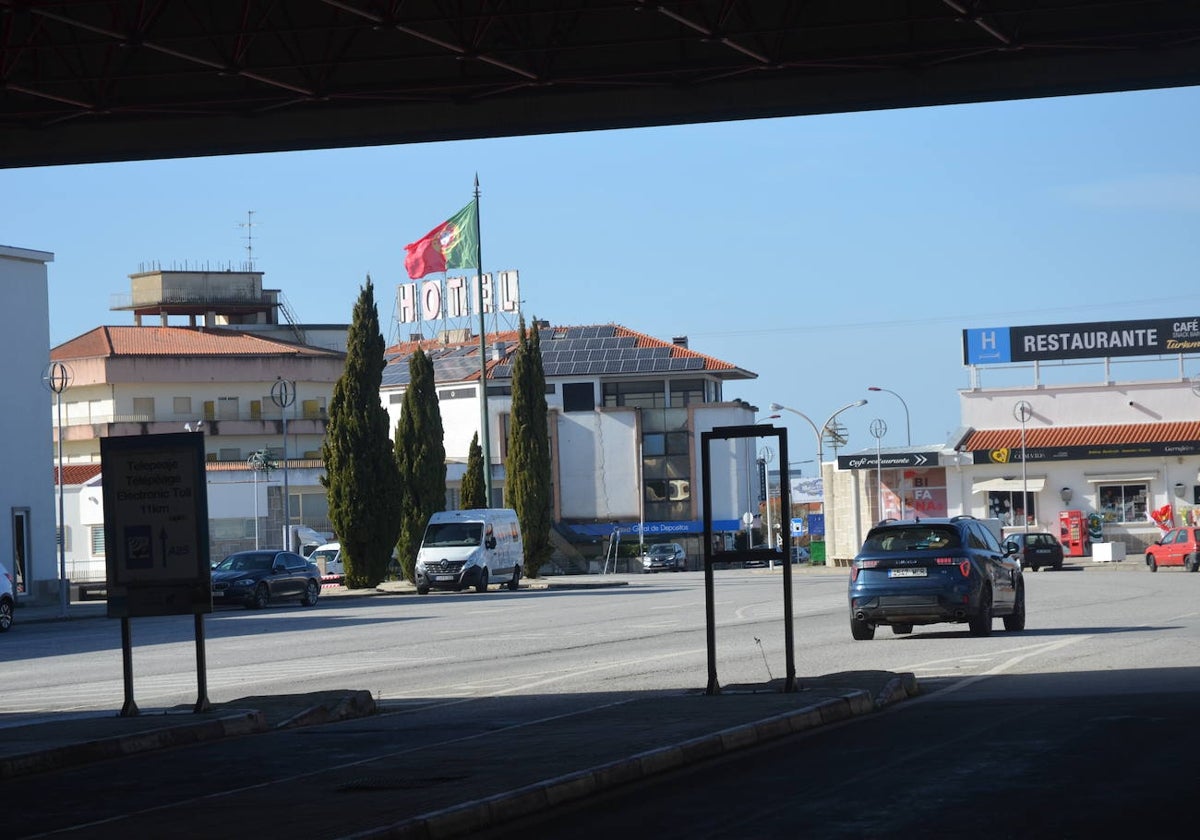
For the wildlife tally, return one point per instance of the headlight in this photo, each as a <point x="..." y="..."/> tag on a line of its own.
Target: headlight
<point x="243" y="582"/>
<point x="420" y="565"/>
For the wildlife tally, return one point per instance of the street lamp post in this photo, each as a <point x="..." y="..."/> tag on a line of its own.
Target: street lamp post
<point x="58" y="378"/>
<point x="820" y="433"/>
<point x="1023" y="411"/>
<point x="907" y="424"/>
<point x="878" y="430"/>
<point x="283" y="394"/>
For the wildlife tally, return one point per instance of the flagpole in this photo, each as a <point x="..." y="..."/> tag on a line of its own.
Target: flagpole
<point x="484" y="433"/>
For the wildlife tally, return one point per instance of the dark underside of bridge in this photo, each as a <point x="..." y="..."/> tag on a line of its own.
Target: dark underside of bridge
<point x="101" y="80"/>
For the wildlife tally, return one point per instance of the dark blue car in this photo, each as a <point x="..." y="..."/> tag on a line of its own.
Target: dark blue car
<point x="929" y="571"/>
<point x="255" y="578"/>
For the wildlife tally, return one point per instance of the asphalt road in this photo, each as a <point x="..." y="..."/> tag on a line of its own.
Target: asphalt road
<point x="1059" y="764"/>
<point x="1092" y="701"/>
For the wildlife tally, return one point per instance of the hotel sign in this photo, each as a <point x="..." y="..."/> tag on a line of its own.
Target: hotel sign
<point x="457" y="297"/>
<point x="1096" y="340"/>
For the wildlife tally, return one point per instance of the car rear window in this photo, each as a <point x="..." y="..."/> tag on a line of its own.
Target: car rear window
<point x="912" y="538"/>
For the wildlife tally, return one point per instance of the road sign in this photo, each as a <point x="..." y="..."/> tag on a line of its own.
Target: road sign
<point x="156" y="525"/>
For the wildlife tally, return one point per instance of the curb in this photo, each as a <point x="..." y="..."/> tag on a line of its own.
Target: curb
<point x="356" y="704"/>
<point x="476" y="816"/>
<point x="237" y="723"/>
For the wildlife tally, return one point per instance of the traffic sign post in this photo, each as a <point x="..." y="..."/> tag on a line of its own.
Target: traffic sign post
<point x="156" y="537"/>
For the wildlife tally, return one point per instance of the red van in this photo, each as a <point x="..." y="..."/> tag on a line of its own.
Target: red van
<point x="1178" y="547"/>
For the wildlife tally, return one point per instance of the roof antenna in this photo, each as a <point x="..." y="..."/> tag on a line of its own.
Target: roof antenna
<point x="249" y="237"/>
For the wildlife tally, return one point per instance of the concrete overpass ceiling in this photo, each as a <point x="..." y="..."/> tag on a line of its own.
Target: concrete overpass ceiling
<point x="103" y="80"/>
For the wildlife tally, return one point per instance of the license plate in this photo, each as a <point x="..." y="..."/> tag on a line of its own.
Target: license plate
<point x="920" y="571"/>
<point x="443" y="577"/>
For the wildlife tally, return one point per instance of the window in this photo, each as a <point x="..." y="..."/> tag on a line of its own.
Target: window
<point x="183" y="406"/>
<point x="143" y="408"/>
<point x="97" y="539"/>
<point x="579" y="396"/>
<point x="685" y="392"/>
<point x="1122" y="502"/>
<point x="227" y="408"/>
<point x="1010" y="508"/>
<point x="230" y="455"/>
<point x="642" y="393"/>
<point x="457" y="394"/>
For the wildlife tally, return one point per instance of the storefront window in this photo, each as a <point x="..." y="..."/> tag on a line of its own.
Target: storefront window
<point x="1122" y="502"/>
<point x="1011" y="508"/>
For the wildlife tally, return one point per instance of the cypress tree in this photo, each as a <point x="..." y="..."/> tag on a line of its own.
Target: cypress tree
<point x="361" y="481"/>
<point x="471" y="494"/>
<point x="420" y="458"/>
<point x="527" y="487"/>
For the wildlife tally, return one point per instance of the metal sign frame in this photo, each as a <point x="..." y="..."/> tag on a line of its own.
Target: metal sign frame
<point x="768" y="552"/>
<point x="155" y="495"/>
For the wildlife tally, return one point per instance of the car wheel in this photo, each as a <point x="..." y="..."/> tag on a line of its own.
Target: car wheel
<point x="1033" y="567"/>
<point x="862" y="631"/>
<point x="902" y="629"/>
<point x="6" y="609"/>
<point x="422" y="590"/>
<point x="515" y="583"/>
<point x="311" y="593"/>
<point x="260" y="598"/>
<point x="482" y="583"/>
<point x="981" y="622"/>
<point x="1058" y="566"/>
<point x="1190" y="563"/>
<point x="1150" y="561"/>
<point x="1015" y="621"/>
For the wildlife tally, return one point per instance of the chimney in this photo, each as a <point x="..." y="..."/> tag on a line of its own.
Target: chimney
<point x="498" y="351"/>
<point x="680" y="341"/>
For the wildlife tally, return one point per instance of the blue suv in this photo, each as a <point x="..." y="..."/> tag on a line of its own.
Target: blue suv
<point x="928" y="571"/>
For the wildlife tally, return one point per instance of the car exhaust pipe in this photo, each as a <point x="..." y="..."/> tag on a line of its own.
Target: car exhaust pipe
<point x="860" y="616"/>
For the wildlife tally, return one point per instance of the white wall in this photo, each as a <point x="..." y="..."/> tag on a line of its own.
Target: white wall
<point x="25" y="434"/>
<point x="598" y="464"/>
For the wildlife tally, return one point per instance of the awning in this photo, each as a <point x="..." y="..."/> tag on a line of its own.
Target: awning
<point x="1120" y="478"/>
<point x="1015" y="485"/>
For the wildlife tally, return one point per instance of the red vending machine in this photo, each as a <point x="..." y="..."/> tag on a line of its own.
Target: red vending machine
<point x="1073" y="532"/>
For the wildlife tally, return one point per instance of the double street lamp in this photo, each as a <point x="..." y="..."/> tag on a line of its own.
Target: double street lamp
<point x="819" y="432"/>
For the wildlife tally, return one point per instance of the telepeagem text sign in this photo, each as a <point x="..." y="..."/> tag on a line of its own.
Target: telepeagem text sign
<point x="156" y="525"/>
<point x="1104" y="339"/>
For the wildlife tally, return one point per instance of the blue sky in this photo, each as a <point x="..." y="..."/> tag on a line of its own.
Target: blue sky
<point x="826" y="254"/>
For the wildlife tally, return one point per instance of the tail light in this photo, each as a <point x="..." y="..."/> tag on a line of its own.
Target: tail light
<point x="853" y="573"/>
<point x="965" y="568"/>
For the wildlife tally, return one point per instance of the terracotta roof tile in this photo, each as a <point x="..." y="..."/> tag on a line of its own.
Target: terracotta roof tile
<point x="987" y="439"/>
<point x="178" y="341"/>
<point x="77" y="473"/>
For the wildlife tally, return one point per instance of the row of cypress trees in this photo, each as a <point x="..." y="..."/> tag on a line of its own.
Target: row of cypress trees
<point x="382" y="490"/>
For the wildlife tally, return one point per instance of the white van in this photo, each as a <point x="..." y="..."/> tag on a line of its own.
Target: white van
<point x="465" y="548"/>
<point x="328" y="558"/>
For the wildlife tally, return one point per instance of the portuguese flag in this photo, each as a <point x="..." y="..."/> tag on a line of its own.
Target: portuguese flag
<point x="452" y="244"/>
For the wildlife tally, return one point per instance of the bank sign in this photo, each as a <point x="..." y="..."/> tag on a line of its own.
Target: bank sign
<point x="1106" y="339"/>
